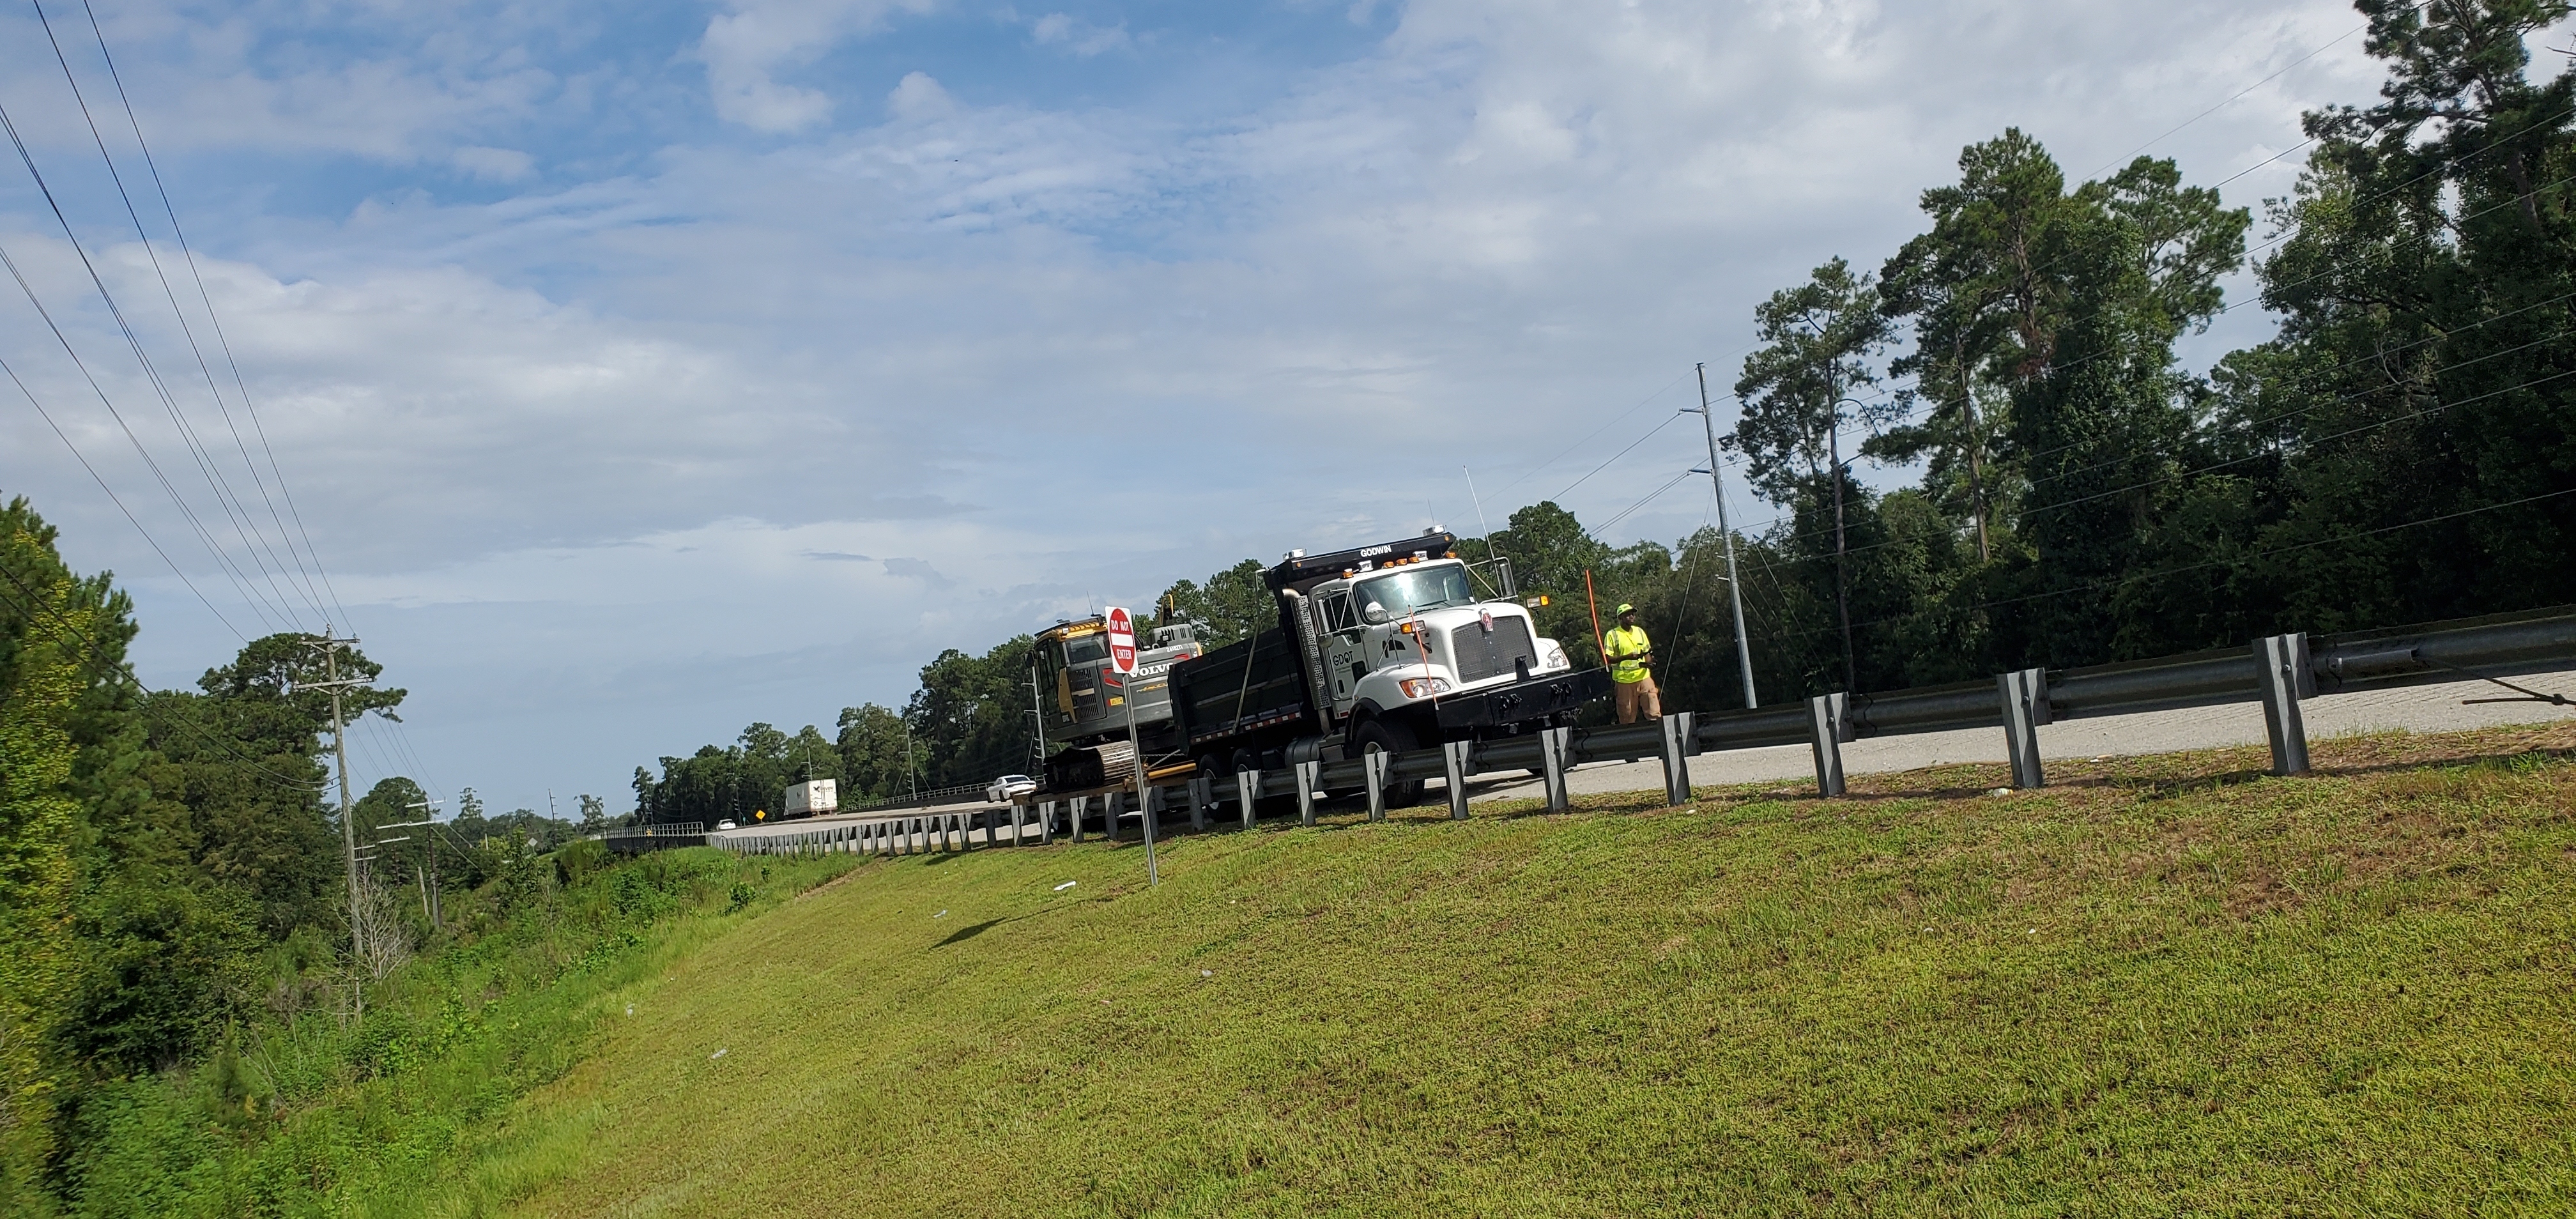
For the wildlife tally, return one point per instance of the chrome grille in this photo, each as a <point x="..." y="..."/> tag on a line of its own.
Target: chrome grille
<point x="1480" y="654"/>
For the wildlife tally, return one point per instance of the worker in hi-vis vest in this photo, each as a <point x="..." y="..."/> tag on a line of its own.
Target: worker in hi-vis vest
<point x="1632" y="662"/>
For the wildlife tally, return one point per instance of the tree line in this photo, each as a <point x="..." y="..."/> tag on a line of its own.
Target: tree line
<point x="2399" y="451"/>
<point x="171" y="864"/>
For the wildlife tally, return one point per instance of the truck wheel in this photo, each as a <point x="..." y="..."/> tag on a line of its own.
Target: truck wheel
<point x="1391" y="738"/>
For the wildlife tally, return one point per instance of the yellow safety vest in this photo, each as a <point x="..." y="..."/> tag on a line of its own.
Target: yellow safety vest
<point x="1627" y="646"/>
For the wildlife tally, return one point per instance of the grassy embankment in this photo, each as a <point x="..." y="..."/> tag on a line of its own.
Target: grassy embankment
<point x="2167" y="985"/>
<point x="304" y="1111"/>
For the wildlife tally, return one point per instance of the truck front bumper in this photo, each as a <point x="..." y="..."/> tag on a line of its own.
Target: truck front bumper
<point x="1523" y="701"/>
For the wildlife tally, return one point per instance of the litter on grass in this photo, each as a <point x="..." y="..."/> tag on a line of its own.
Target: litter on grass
<point x="718" y="1054"/>
<point x="1066" y="885"/>
<point x="1207" y="973"/>
<point x="941" y="914"/>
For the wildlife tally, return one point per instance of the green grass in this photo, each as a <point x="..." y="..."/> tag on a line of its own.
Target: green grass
<point x="2170" y="986"/>
<point x="307" y="1112"/>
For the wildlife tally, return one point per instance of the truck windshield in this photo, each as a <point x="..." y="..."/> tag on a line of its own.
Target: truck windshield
<point x="1083" y="649"/>
<point x="1406" y="592"/>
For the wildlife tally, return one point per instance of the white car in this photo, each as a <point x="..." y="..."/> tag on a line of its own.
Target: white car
<point x="1009" y="787"/>
<point x="727" y="825"/>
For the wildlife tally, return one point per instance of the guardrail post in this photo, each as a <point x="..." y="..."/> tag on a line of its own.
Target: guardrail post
<point x="1307" y="773"/>
<point x="1829" y="716"/>
<point x="2281" y="662"/>
<point x="1202" y="793"/>
<point x="992" y="832"/>
<point x="1019" y="813"/>
<point x="1679" y="744"/>
<point x="1157" y="801"/>
<point x="1373" y="763"/>
<point x="2025" y="699"/>
<point x="1247" y="790"/>
<point x="1112" y="807"/>
<point x="1455" y="753"/>
<point x="1555" y="745"/>
<point x="1081" y="808"/>
<point x="1046" y="823"/>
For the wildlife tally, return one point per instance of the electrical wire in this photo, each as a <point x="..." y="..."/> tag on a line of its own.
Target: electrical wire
<point x="215" y="321"/>
<point x="113" y="498"/>
<point x="258" y="604"/>
<point x="2116" y="581"/>
<point x="254" y="538"/>
<point x="97" y="652"/>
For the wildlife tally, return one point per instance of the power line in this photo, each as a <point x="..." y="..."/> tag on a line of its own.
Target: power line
<point x="251" y="595"/>
<point x="1587" y="437"/>
<point x="2233" y="98"/>
<point x="197" y="449"/>
<point x="215" y="321"/>
<point x="98" y="652"/>
<point x="112" y="497"/>
<point x="2115" y="581"/>
<point x="189" y="331"/>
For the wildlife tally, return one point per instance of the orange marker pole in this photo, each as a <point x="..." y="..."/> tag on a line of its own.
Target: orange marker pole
<point x="1599" y="648"/>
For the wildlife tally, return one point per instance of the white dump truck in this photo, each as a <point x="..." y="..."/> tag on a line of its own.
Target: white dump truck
<point x="1384" y="647"/>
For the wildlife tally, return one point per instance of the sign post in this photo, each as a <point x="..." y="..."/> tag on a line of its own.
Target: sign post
<point x="1122" y="657"/>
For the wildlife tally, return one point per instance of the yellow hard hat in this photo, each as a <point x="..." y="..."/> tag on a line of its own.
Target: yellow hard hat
<point x="1626" y="608"/>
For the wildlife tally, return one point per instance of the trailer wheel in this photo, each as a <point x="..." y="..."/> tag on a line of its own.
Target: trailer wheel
<point x="1391" y="738"/>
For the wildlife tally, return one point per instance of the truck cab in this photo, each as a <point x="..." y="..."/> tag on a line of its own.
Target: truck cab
<point x="1386" y="648"/>
<point x="1413" y="632"/>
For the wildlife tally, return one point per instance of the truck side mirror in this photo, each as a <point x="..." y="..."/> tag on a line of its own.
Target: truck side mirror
<point x="1375" y="614"/>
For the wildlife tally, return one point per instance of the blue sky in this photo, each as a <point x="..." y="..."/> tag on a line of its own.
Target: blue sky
<point x="642" y="370"/>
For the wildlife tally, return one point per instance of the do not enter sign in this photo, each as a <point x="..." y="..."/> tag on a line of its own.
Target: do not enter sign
<point x="1122" y="640"/>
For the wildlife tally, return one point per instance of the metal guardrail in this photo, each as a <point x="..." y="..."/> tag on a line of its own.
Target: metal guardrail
<point x="2277" y="671"/>
<point x="924" y="800"/>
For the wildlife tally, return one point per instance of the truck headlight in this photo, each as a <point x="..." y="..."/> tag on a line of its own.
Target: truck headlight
<point x="1551" y="655"/>
<point x="1423" y="687"/>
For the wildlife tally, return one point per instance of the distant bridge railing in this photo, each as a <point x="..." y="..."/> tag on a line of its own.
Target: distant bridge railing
<point x="654" y="836"/>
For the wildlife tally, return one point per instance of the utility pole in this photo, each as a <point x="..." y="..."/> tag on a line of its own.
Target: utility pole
<point x="1734" y="590"/>
<point x="1842" y="582"/>
<point x="1976" y="471"/>
<point x="429" y="810"/>
<point x="330" y="648"/>
<point x="911" y="772"/>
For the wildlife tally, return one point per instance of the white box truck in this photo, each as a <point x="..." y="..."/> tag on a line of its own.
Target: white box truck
<point x="812" y="798"/>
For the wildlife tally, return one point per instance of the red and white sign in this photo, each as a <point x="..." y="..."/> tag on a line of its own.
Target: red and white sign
<point x="1122" y="640"/>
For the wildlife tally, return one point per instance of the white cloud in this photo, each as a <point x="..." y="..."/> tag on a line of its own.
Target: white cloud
<point x="748" y="45"/>
<point x="1076" y="35"/>
<point x="696" y="440"/>
<point x="493" y="164"/>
